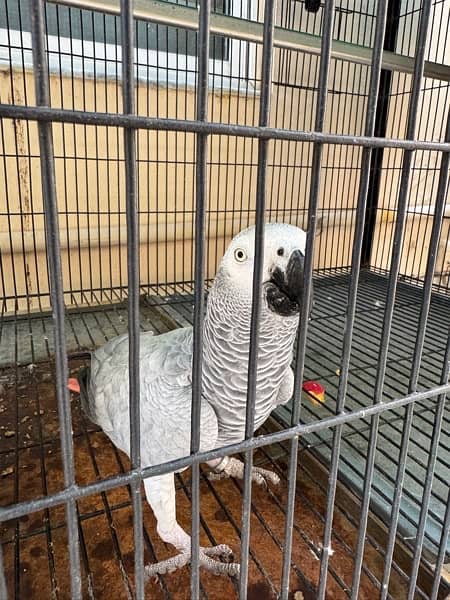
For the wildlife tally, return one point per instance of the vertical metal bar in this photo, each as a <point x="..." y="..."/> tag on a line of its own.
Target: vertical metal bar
<point x="261" y="185"/>
<point x="328" y="23"/>
<point x="392" y="286"/>
<point x="428" y="285"/>
<point x="381" y="122"/>
<point x="132" y="219"/>
<point x="3" y="588"/>
<point x="439" y="209"/>
<point x="37" y="12"/>
<point x="325" y="54"/>
<point x="434" y="446"/>
<point x="199" y="280"/>
<point x="441" y="552"/>
<point x="372" y="103"/>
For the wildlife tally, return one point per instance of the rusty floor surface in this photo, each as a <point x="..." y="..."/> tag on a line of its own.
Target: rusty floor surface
<point x="35" y="550"/>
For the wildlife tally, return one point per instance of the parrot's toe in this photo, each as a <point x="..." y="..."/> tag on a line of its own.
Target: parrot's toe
<point x="220" y="550"/>
<point x="262" y="476"/>
<point x="215" y="566"/>
<point x="235" y="468"/>
<point x="167" y="566"/>
<point x="205" y="560"/>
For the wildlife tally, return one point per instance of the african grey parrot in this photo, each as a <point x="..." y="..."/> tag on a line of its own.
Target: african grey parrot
<point x="165" y="372"/>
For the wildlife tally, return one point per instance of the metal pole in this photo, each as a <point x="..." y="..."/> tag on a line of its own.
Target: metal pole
<point x="37" y="13"/>
<point x="128" y="95"/>
<point x="14" y="511"/>
<point x="325" y="54"/>
<point x="199" y="280"/>
<point x="426" y="494"/>
<point x="3" y="588"/>
<point x="420" y="340"/>
<point x="357" y="252"/>
<point x="261" y="186"/>
<point x="393" y="277"/>
<point x="379" y="130"/>
<point x="58" y="115"/>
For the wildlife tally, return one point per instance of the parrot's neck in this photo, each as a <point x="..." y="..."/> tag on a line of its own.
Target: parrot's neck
<point x="225" y="363"/>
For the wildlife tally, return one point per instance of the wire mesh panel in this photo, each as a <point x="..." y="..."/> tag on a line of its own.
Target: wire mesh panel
<point x="434" y="99"/>
<point x="136" y="140"/>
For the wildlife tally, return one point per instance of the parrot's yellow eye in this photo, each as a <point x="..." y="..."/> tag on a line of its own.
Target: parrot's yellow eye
<point x="240" y="255"/>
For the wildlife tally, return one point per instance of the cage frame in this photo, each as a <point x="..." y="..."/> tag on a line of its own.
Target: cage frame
<point x="44" y="115"/>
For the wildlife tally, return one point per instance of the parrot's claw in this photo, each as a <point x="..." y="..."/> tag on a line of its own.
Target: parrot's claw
<point x="205" y="560"/>
<point x="235" y="468"/>
<point x="262" y="476"/>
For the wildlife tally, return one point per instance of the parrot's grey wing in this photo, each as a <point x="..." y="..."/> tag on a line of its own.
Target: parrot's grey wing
<point x="166" y="396"/>
<point x="286" y="388"/>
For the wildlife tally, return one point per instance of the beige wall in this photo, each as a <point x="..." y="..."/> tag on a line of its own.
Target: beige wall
<point x="91" y="187"/>
<point x="423" y="186"/>
<point x="90" y="179"/>
<point x="415" y="246"/>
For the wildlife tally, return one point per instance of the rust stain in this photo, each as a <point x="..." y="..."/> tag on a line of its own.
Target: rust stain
<point x="24" y="175"/>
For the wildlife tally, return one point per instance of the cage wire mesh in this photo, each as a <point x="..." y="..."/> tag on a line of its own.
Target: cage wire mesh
<point x="367" y="512"/>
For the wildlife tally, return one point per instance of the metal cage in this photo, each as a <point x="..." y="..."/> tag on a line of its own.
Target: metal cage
<point x="136" y="139"/>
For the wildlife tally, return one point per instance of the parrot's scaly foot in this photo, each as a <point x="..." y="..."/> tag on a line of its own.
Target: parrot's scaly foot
<point x="262" y="476"/>
<point x="205" y="554"/>
<point x="232" y="467"/>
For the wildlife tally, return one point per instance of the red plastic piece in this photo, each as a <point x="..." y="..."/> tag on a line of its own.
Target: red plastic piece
<point x="73" y="385"/>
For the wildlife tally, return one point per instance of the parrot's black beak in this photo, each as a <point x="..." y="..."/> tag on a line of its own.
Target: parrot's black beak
<point x="284" y="290"/>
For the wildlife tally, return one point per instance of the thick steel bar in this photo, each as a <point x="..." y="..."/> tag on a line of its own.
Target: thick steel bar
<point x="439" y="208"/>
<point x="325" y="54"/>
<point x="372" y="102"/>
<point x="42" y="85"/>
<point x="384" y="105"/>
<point x="392" y="288"/>
<point x="58" y="115"/>
<point x="420" y="340"/>
<point x="132" y="220"/>
<point x="3" y="588"/>
<point x="261" y="190"/>
<point x="354" y="280"/>
<point x="426" y="494"/>
<point x="199" y="279"/>
<point x="74" y="492"/>
<point x="326" y="545"/>
<point x="441" y="552"/>
<point x="185" y="17"/>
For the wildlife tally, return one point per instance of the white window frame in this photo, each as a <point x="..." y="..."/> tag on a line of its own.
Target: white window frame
<point x="71" y="56"/>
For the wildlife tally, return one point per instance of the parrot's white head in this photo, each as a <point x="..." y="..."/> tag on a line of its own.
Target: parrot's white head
<point x="284" y="254"/>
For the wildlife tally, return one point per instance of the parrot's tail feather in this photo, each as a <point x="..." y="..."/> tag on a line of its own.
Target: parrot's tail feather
<point x="84" y="377"/>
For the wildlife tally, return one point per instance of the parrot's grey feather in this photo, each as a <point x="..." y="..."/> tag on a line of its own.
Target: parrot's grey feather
<point x="225" y="368"/>
<point x="286" y="387"/>
<point x="166" y="395"/>
<point x="165" y="372"/>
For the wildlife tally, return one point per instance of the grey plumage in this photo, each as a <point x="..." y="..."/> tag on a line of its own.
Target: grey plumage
<point x="165" y="396"/>
<point x="226" y="366"/>
<point x="165" y="373"/>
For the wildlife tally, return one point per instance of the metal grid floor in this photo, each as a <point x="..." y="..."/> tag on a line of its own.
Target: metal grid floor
<point x="30" y="462"/>
<point x="323" y="359"/>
